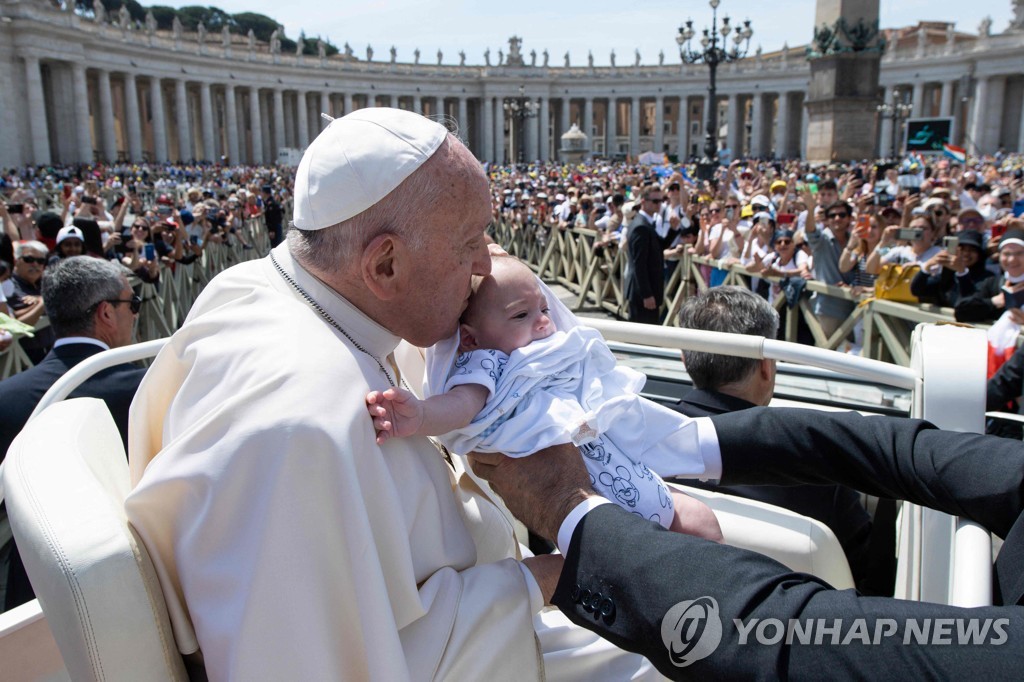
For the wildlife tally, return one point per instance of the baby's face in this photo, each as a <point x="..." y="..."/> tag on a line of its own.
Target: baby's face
<point x="512" y="310"/>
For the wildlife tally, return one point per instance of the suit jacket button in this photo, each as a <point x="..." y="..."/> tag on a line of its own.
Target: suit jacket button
<point x="607" y="610"/>
<point x="587" y="601"/>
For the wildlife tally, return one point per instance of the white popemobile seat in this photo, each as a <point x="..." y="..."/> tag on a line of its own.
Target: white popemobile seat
<point x="66" y="478"/>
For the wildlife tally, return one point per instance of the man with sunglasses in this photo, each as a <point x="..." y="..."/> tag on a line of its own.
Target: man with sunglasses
<point x="91" y="308"/>
<point x="645" y="280"/>
<point x="827" y="246"/>
<point x="26" y="301"/>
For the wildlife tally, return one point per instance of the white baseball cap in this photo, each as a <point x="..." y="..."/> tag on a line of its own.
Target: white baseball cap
<point x="358" y="160"/>
<point x="70" y="232"/>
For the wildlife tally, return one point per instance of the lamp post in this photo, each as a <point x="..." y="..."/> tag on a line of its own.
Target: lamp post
<point x="517" y="110"/>
<point x="714" y="51"/>
<point x="898" y="111"/>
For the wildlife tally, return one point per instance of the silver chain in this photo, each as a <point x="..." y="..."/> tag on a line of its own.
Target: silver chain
<point x="324" y="314"/>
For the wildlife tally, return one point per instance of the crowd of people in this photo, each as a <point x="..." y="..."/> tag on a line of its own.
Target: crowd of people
<point x="840" y="224"/>
<point x="143" y="218"/>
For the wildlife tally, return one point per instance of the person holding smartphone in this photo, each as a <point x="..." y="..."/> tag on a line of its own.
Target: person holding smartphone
<point x="987" y="300"/>
<point x="138" y="258"/>
<point x="921" y="248"/>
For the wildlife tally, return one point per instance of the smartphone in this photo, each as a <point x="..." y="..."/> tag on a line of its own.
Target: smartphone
<point x="858" y="173"/>
<point x="89" y="200"/>
<point x="150" y="252"/>
<point x="15" y="208"/>
<point x="162" y="209"/>
<point x="951" y="243"/>
<point x="195" y="240"/>
<point x="1013" y="299"/>
<point x="913" y="190"/>
<point x="863" y="223"/>
<point x="998" y="229"/>
<point x="909" y="234"/>
<point x="786" y="218"/>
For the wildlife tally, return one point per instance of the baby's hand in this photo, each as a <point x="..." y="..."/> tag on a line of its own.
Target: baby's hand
<point x="395" y="412"/>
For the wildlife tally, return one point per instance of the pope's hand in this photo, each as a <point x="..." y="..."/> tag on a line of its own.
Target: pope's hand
<point x="540" y="490"/>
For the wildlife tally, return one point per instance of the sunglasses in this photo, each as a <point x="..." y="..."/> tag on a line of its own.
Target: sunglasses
<point x="838" y="215"/>
<point x="783" y="242"/>
<point x="140" y="226"/>
<point x="654" y="201"/>
<point x="715" y="210"/>
<point x="134" y="303"/>
<point x="33" y="260"/>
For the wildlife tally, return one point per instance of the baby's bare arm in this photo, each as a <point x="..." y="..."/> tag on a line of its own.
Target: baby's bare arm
<point x="398" y="413"/>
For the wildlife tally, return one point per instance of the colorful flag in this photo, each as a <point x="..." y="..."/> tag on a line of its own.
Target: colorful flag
<point x="958" y="154"/>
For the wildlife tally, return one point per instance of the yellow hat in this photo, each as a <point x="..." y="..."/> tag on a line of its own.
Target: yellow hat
<point x="747" y="212"/>
<point x="778" y="184"/>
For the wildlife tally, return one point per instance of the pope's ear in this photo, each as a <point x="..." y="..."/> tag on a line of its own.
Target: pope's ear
<point x="384" y="263"/>
<point x="467" y="339"/>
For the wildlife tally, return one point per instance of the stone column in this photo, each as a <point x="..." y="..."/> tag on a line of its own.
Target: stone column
<point x="325" y="108"/>
<point x="231" y="113"/>
<point x="266" y="129"/>
<point x="611" y="144"/>
<point x="682" y="129"/>
<point x="917" y="100"/>
<point x="109" y="143"/>
<point x="37" y="109"/>
<point x="782" y="127"/>
<point x="757" y="128"/>
<point x="499" y="132"/>
<point x="134" y="122"/>
<point x="634" y="127"/>
<point x="979" y="110"/>
<point x="992" y="133"/>
<point x="946" y="103"/>
<point x="156" y="111"/>
<point x="181" y="110"/>
<point x="885" y="129"/>
<point x="530" y="133"/>
<point x="487" y="125"/>
<point x="439" y="106"/>
<point x="206" y="104"/>
<point x="1020" y="133"/>
<point x="83" y="129"/>
<point x="348" y="103"/>
<point x="303" y="114"/>
<point x="564" y="116"/>
<point x="256" y="125"/>
<point x="278" y="122"/>
<point x="735" y="136"/>
<point x="588" y="121"/>
<point x="659" y="124"/>
<point x="464" y="130"/>
<point x="544" y="129"/>
<point x="805" y="121"/>
<point x="417" y="104"/>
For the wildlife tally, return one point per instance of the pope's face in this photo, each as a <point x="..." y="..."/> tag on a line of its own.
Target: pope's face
<point x="454" y="250"/>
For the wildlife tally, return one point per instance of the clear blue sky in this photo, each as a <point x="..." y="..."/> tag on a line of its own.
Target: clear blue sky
<point x="577" y="27"/>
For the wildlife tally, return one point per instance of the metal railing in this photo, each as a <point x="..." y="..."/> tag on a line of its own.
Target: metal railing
<point x="597" y="277"/>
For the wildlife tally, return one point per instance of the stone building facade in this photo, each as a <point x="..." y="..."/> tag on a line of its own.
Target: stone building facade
<point x="77" y="89"/>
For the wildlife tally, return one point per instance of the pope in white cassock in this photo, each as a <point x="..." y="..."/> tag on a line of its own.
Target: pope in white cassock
<point x="288" y="544"/>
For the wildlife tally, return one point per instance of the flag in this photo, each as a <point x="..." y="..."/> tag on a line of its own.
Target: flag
<point x="958" y="154"/>
<point x="1002" y="342"/>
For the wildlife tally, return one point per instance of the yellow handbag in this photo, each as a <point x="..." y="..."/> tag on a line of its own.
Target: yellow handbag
<point x="893" y="283"/>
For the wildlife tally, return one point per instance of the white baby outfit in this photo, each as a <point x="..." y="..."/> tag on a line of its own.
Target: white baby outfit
<point x="568" y="388"/>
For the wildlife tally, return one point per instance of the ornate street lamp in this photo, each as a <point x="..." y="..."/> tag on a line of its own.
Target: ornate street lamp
<point x="714" y="51"/>
<point x="517" y="110"/>
<point x="898" y="111"/>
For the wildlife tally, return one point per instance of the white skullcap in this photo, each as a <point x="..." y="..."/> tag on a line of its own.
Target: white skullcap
<point x="358" y="160"/>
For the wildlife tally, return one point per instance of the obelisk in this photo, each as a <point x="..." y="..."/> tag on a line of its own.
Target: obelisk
<point x="844" y="56"/>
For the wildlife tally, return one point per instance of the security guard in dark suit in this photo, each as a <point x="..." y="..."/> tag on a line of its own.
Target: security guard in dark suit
<point x="645" y="282"/>
<point x="91" y="308"/>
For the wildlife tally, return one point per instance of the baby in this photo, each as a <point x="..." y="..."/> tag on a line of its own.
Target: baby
<point x="519" y="385"/>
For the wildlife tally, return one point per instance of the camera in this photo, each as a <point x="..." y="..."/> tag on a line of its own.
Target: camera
<point x="909" y="234"/>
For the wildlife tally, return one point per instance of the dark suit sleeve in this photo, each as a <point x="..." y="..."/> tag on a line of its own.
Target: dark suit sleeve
<point x="978" y="477"/>
<point x="1008" y="383"/>
<point x="635" y="572"/>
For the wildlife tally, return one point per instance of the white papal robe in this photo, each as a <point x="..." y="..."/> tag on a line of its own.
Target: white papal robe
<point x="287" y="543"/>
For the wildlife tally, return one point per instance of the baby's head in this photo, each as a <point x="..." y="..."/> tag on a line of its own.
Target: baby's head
<point x="508" y="309"/>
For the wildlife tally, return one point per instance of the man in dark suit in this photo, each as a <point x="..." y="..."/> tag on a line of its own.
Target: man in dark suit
<point x="725" y="383"/>
<point x="629" y="580"/>
<point x="645" y="282"/>
<point x="91" y="308"/>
